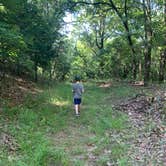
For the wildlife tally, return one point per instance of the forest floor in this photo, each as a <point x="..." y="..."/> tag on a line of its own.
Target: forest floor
<point x="120" y="125"/>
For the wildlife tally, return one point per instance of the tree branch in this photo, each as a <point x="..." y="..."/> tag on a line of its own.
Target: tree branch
<point x="90" y="3"/>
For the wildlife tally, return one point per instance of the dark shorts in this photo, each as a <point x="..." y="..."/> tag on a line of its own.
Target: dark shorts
<point x="77" y="101"/>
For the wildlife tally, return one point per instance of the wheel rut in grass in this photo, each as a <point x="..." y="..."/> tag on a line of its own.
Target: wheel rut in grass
<point x="74" y="141"/>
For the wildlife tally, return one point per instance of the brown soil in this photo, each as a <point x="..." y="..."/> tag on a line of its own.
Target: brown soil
<point x="14" y="90"/>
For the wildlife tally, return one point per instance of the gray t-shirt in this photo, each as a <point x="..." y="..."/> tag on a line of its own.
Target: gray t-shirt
<point x="77" y="90"/>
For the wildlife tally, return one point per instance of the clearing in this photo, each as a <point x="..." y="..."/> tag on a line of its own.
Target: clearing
<point x="120" y="124"/>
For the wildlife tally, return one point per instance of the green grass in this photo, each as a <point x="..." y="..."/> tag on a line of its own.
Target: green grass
<point x="48" y="133"/>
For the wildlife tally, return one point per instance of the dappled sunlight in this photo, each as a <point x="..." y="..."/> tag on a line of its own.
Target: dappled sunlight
<point x="59" y="102"/>
<point x="30" y="89"/>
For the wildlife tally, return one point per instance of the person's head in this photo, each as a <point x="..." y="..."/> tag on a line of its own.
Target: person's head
<point x="77" y="79"/>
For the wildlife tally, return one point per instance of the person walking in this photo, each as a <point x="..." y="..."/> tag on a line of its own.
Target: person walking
<point x="77" y="89"/>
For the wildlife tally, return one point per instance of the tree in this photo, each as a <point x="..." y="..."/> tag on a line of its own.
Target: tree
<point x="11" y="39"/>
<point x="138" y="25"/>
<point x="122" y="12"/>
<point x="162" y="69"/>
<point x="30" y="29"/>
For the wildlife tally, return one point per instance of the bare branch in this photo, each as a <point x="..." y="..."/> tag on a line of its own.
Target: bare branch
<point x="90" y="3"/>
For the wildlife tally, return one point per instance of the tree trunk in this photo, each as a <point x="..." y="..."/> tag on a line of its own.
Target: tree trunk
<point x="124" y="20"/>
<point x="50" y="73"/>
<point x="162" y="69"/>
<point x="140" y="70"/>
<point x="148" y="40"/>
<point x="35" y="68"/>
<point x="3" y="62"/>
<point x="147" y="64"/>
<point x="18" y="66"/>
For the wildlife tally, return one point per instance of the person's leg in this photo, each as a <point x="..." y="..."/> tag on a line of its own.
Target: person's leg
<point x="76" y="109"/>
<point x="75" y="106"/>
<point x="79" y="105"/>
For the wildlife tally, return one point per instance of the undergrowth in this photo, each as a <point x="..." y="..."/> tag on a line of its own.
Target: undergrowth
<point x="33" y="125"/>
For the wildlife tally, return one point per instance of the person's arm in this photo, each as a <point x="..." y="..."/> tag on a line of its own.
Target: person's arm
<point x="83" y="89"/>
<point x="72" y="88"/>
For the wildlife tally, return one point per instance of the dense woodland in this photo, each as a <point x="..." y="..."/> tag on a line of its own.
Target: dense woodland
<point x="123" y="39"/>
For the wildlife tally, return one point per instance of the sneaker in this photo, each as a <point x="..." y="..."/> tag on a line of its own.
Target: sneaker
<point x="77" y="115"/>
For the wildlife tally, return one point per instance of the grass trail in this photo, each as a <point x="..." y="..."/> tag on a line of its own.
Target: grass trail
<point x="86" y="140"/>
<point x="45" y="132"/>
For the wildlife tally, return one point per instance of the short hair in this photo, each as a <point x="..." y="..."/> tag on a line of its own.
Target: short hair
<point x="77" y="78"/>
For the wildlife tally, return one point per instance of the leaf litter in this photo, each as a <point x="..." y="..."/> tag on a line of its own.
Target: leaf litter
<point x="146" y="114"/>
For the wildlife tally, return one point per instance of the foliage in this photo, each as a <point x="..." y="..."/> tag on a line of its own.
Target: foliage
<point x="133" y="28"/>
<point x="104" y="39"/>
<point x="32" y="30"/>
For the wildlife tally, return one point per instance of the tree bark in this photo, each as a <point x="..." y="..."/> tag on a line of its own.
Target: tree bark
<point x="50" y="73"/>
<point x="100" y="34"/>
<point x="148" y="40"/>
<point x="35" y="68"/>
<point x="162" y="69"/>
<point x="124" y="20"/>
<point x="18" y="67"/>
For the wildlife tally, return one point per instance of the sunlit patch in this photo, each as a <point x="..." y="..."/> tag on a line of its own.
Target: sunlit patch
<point x="37" y="90"/>
<point x="30" y="89"/>
<point x="105" y="84"/>
<point x="60" y="103"/>
<point x="2" y="8"/>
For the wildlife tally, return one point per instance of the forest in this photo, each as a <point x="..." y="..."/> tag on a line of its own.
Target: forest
<point x="117" y="48"/>
<point x="116" y="39"/>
